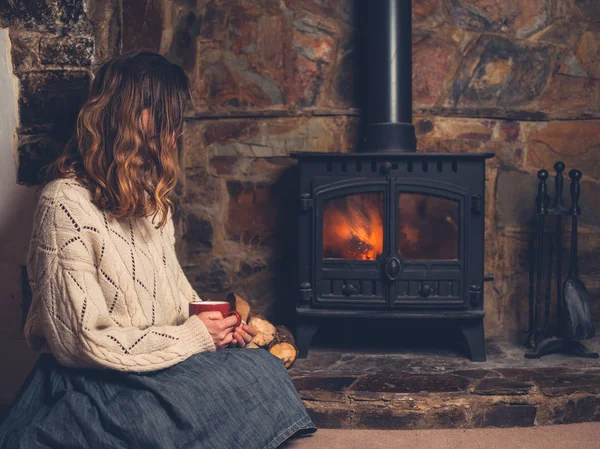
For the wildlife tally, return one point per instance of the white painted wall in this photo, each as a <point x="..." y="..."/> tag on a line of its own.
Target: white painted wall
<point x="17" y="205"/>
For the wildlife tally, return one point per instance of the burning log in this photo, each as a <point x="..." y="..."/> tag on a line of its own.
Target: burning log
<point x="353" y="227"/>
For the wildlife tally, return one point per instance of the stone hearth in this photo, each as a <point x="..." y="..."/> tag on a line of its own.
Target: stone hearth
<point x="425" y="389"/>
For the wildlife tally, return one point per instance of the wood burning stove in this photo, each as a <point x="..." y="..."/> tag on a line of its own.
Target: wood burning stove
<point x="391" y="233"/>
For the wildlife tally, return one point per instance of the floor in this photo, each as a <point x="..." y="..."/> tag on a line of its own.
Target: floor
<point x="572" y="436"/>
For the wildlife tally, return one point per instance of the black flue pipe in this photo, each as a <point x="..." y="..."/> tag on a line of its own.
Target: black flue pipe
<point x="389" y="76"/>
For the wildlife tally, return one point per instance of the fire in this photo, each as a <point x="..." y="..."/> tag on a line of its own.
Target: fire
<point x="427" y="227"/>
<point x="353" y="227"/>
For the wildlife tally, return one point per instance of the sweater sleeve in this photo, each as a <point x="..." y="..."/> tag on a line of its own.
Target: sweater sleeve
<point x="74" y="314"/>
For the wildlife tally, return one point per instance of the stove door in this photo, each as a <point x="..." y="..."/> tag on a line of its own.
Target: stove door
<point x="428" y="239"/>
<point x="350" y="243"/>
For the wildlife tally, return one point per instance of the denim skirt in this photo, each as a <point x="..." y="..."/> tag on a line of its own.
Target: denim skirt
<point x="229" y="399"/>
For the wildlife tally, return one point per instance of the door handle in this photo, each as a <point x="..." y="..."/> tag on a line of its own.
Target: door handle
<point x="392" y="268"/>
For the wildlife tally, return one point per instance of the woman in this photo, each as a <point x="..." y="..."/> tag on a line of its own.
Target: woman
<point x="123" y="366"/>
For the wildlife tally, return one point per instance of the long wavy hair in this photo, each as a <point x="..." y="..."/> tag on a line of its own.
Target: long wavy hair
<point x="125" y="147"/>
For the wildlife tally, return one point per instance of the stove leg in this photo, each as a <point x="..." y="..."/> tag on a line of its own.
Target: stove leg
<point x="473" y="332"/>
<point x="305" y="331"/>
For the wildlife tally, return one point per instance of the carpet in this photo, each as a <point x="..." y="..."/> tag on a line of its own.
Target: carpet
<point x="571" y="436"/>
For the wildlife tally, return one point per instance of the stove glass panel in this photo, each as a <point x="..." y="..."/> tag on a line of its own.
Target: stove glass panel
<point x="353" y="227"/>
<point x="428" y="227"/>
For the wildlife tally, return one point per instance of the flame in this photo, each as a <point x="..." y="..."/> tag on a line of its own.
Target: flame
<point x="428" y="227"/>
<point x="353" y="227"/>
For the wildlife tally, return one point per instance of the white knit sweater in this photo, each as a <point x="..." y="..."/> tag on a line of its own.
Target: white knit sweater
<point x="107" y="292"/>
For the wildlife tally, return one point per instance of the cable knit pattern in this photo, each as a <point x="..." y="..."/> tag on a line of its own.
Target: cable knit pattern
<point x="107" y="292"/>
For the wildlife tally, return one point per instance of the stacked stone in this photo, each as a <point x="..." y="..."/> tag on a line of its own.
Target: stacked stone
<point x="268" y="78"/>
<point x="55" y="45"/>
<point x="518" y="78"/>
<point x="433" y="391"/>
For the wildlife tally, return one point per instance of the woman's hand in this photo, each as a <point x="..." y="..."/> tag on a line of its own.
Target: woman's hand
<point x="219" y="328"/>
<point x="243" y="335"/>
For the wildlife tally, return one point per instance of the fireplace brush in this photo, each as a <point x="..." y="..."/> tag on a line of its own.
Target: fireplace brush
<point x="573" y="318"/>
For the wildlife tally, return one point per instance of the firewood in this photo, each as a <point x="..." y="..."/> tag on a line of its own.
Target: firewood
<point x="284" y="335"/>
<point x="284" y="347"/>
<point x="286" y="352"/>
<point x="239" y="304"/>
<point x="265" y="331"/>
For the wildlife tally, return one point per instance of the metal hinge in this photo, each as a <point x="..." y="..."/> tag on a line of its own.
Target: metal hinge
<point x="476" y="202"/>
<point x="305" y="292"/>
<point x="306" y="202"/>
<point x="475" y="294"/>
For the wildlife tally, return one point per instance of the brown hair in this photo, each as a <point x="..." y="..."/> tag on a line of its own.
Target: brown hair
<point x="131" y="167"/>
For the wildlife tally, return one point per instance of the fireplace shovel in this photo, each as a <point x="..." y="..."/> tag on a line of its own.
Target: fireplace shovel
<point x="577" y="322"/>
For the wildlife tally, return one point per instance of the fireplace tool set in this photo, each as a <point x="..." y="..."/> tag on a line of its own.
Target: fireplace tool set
<point x="573" y="319"/>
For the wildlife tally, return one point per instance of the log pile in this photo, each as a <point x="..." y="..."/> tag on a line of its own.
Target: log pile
<point x="278" y="340"/>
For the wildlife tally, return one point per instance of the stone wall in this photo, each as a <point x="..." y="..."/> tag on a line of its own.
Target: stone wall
<point x="520" y="79"/>
<point x="53" y="46"/>
<point x="268" y="78"/>
<point x="16" y="209"/>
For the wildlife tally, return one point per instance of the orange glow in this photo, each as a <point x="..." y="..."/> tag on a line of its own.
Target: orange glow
<point x="353" y="227"/>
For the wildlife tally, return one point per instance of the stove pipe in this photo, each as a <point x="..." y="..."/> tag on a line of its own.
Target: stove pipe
<point x="389" y="74"/>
